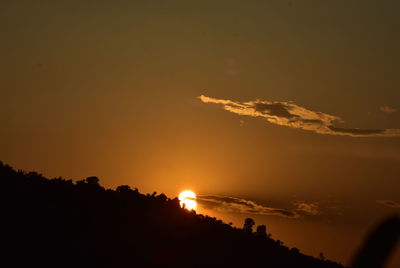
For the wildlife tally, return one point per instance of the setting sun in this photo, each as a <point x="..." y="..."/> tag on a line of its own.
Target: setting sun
<point x="188" y="199"/>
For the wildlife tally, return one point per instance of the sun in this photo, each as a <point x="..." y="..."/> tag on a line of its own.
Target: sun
<point x="188" y="199"/>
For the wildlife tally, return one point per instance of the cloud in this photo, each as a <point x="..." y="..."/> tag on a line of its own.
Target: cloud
<point x="388" y="203"/>
<point x="292" y="115"/>
<point x="387" y="109"/>
<point x="238" y="205"/>
<point x="308" y="208"/>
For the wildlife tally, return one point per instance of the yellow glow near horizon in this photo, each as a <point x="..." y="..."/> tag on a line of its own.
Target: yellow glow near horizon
<point x="188" y="198"/>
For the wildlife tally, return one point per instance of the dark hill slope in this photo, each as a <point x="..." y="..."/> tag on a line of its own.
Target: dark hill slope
<point x="58" y="223"/>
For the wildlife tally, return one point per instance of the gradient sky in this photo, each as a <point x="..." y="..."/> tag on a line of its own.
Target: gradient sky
<point x="111" y="88"/>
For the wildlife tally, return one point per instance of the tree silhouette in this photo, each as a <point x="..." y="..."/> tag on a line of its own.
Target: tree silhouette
<point x="261" y="231"/>
<point x="124" y="189"/>
<point x="92" y="180"/>
<point x="248" y="225"/>
<point x="295" y="250"/>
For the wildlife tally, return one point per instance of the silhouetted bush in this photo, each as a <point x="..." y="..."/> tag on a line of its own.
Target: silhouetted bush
<point x="261" y="231"/>
<point x="248" y="225"/>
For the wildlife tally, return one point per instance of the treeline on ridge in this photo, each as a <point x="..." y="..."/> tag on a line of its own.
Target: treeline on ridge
<point x="59" y="223"/>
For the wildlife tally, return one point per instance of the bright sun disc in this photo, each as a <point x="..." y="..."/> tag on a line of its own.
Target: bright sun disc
<point x="188" y="198"/>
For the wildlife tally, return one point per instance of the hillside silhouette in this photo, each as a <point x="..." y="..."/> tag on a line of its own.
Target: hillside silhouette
<point x="59" y="223"/>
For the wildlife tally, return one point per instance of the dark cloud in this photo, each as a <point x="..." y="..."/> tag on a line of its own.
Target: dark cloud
<point x="275" y="109"/>
<point x="312" y="121"/>
<point x="292" y="115"/>
<point x="357" y="131"/>
<point x="238" y="205"/>
<point x="388" y="203"/>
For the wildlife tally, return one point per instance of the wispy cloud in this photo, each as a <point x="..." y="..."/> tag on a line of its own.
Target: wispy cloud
<point x="387" y="109"/>
<point x="308" y="208"/>
<point x="388" y="203"/>
<point x="238" y="205"/>
<point x="292" y="115"/>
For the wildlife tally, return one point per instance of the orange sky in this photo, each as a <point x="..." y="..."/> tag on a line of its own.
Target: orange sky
<point x="110" y="88"/>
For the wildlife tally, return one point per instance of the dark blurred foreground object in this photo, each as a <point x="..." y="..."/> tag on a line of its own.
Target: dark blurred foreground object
<point x="379" y="244"/>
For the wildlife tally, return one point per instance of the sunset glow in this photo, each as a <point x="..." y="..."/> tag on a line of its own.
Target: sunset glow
<point x="188" y="199"/>
<point x="168" y="124"/>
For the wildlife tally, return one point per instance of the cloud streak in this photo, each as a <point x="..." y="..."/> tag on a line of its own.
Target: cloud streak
<point x="388" y="203"/>
<point x="292" y="115"/>
<point x="238" y="205"/>
<point x="387" y="109"/>
<point x="308" y="208"/>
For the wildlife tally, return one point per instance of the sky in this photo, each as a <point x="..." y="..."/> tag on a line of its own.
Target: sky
<point x="284" y="111"/>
